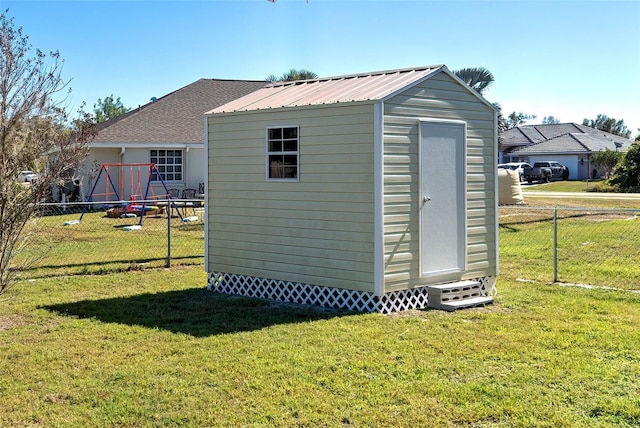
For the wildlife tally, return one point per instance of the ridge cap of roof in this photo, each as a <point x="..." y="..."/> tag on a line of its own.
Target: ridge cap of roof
<point x="231" y="80"/>
<point x="582" y="129"/>
<point x="573" y="135"/>
<point x="356" y="75"/>
<point x="545" y="136"/>
<point x="533" y="125"/>
<point x="531" y="145"/>
<point x="575" y="125"/>
<point x="526" y="136"/>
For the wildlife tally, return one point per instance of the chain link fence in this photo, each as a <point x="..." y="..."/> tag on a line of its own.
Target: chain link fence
<point x="573" y="245"/>
<point x="590" y="246"/>
<point x="94" y="238"/>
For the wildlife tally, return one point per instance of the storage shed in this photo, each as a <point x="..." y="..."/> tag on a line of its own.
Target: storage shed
<point x="371" y="192"/>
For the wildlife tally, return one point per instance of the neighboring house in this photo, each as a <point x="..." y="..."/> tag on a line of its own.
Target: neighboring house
<point x="568" y="143"/>
<point x="354" y="191"/>
<point x="168" y="132"/>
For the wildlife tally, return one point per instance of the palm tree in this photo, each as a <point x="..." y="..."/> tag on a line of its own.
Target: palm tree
<point x="292" y="75"/>
<point x="478" y="78"/>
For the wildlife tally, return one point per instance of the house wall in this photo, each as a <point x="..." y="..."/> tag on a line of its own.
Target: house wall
<point x="439" y="97"/>
<point x="194" y="167"/>
<point x="570" y="161"/>
<point x="316" y="231"/>
<point x="586" y="168"/>
<point x="91" y="167"/>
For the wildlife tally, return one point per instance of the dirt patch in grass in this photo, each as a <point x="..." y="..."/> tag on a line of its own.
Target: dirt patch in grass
<point x="8" y="322"/>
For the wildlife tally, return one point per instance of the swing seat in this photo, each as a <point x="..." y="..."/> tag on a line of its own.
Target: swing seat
<point x="138" y="204"/>
<point x="132" y="227"/>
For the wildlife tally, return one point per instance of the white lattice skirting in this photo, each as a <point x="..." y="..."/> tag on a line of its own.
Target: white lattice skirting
<point x="294" y="292"/>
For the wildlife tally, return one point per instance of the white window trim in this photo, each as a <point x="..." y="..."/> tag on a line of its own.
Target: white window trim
<point x="267" y="152"/>
<point x="182" y="165"/>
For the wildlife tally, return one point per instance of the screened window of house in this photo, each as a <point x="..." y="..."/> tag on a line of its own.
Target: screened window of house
<point x="168" y="163"/>
<point x="282" y="153"/>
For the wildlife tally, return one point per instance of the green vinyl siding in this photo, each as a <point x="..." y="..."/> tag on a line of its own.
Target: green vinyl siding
<point x="439" y="97"/>
<point x="318" y="230"/>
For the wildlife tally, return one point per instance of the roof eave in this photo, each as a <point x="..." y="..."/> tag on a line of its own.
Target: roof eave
<point x="289" y="107"/>
<point x="142" y="144"/>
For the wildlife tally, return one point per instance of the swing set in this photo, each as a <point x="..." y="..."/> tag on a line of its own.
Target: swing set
<point x="130" y="208"/>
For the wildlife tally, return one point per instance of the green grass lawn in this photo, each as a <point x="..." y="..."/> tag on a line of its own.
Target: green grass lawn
<point x="564" y="186"/>
<point x="594" y="247"/>
<point x="99" y="244"/>
<point x="125" y="346"/>
<point x="154" y="348"/>
<point x="599" y="249"/>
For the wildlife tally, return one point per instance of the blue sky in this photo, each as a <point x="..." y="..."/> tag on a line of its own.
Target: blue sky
<point x="569" y="59"/>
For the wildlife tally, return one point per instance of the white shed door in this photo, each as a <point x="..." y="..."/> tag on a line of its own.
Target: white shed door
<point x="442" y="198"/>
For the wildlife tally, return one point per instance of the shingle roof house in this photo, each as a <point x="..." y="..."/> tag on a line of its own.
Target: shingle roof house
<point x="168" y="132"/>
<point x="568" y="143"/>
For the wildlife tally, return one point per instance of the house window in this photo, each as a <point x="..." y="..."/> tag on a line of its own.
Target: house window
<point x="282" y="153"/>
<point x="168" y="163"/>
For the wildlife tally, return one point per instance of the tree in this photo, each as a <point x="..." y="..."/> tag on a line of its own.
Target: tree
<point x="608" y="124"/>
<point x="626" y="176"/>
<point x="478" y="78"/>
<point x="108" y="109"/>
<point x="292" y="75"/>
<point x="517" y="118"/>
<point x="550" y="120"/>
<point x="605" y="161"/>
<point x="35" y="133"/>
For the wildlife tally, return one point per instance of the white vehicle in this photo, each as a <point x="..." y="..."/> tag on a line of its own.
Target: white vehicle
<point x="28" y="176"/>
<point x="515" y="166"/>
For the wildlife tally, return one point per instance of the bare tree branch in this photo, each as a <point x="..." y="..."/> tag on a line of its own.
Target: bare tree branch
<point x="35" y="134"/>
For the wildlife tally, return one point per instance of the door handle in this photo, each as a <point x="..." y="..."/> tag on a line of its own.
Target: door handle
<point x="426" y="199"/>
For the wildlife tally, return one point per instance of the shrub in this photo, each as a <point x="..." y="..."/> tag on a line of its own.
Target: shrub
<point x="626" y="176"/>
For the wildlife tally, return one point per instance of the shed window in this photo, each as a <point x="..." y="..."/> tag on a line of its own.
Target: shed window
<point x="169" y="164"/>
<point x="282" y="153"/>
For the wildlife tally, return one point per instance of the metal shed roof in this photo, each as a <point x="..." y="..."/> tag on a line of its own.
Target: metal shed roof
<point x="331" y="90"/>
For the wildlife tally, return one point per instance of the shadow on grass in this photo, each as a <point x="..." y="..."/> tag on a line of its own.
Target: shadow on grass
<point x="104" y="265"/>
<point x="196" y="312"/>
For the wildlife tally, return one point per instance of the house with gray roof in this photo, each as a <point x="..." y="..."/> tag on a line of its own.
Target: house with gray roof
<point x="568" y="143"/>
<point x="168" y="132"/>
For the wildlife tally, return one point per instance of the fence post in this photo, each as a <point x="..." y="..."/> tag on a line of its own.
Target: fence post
<point x="555" y="244"/>
<point x="168" y="263"/>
